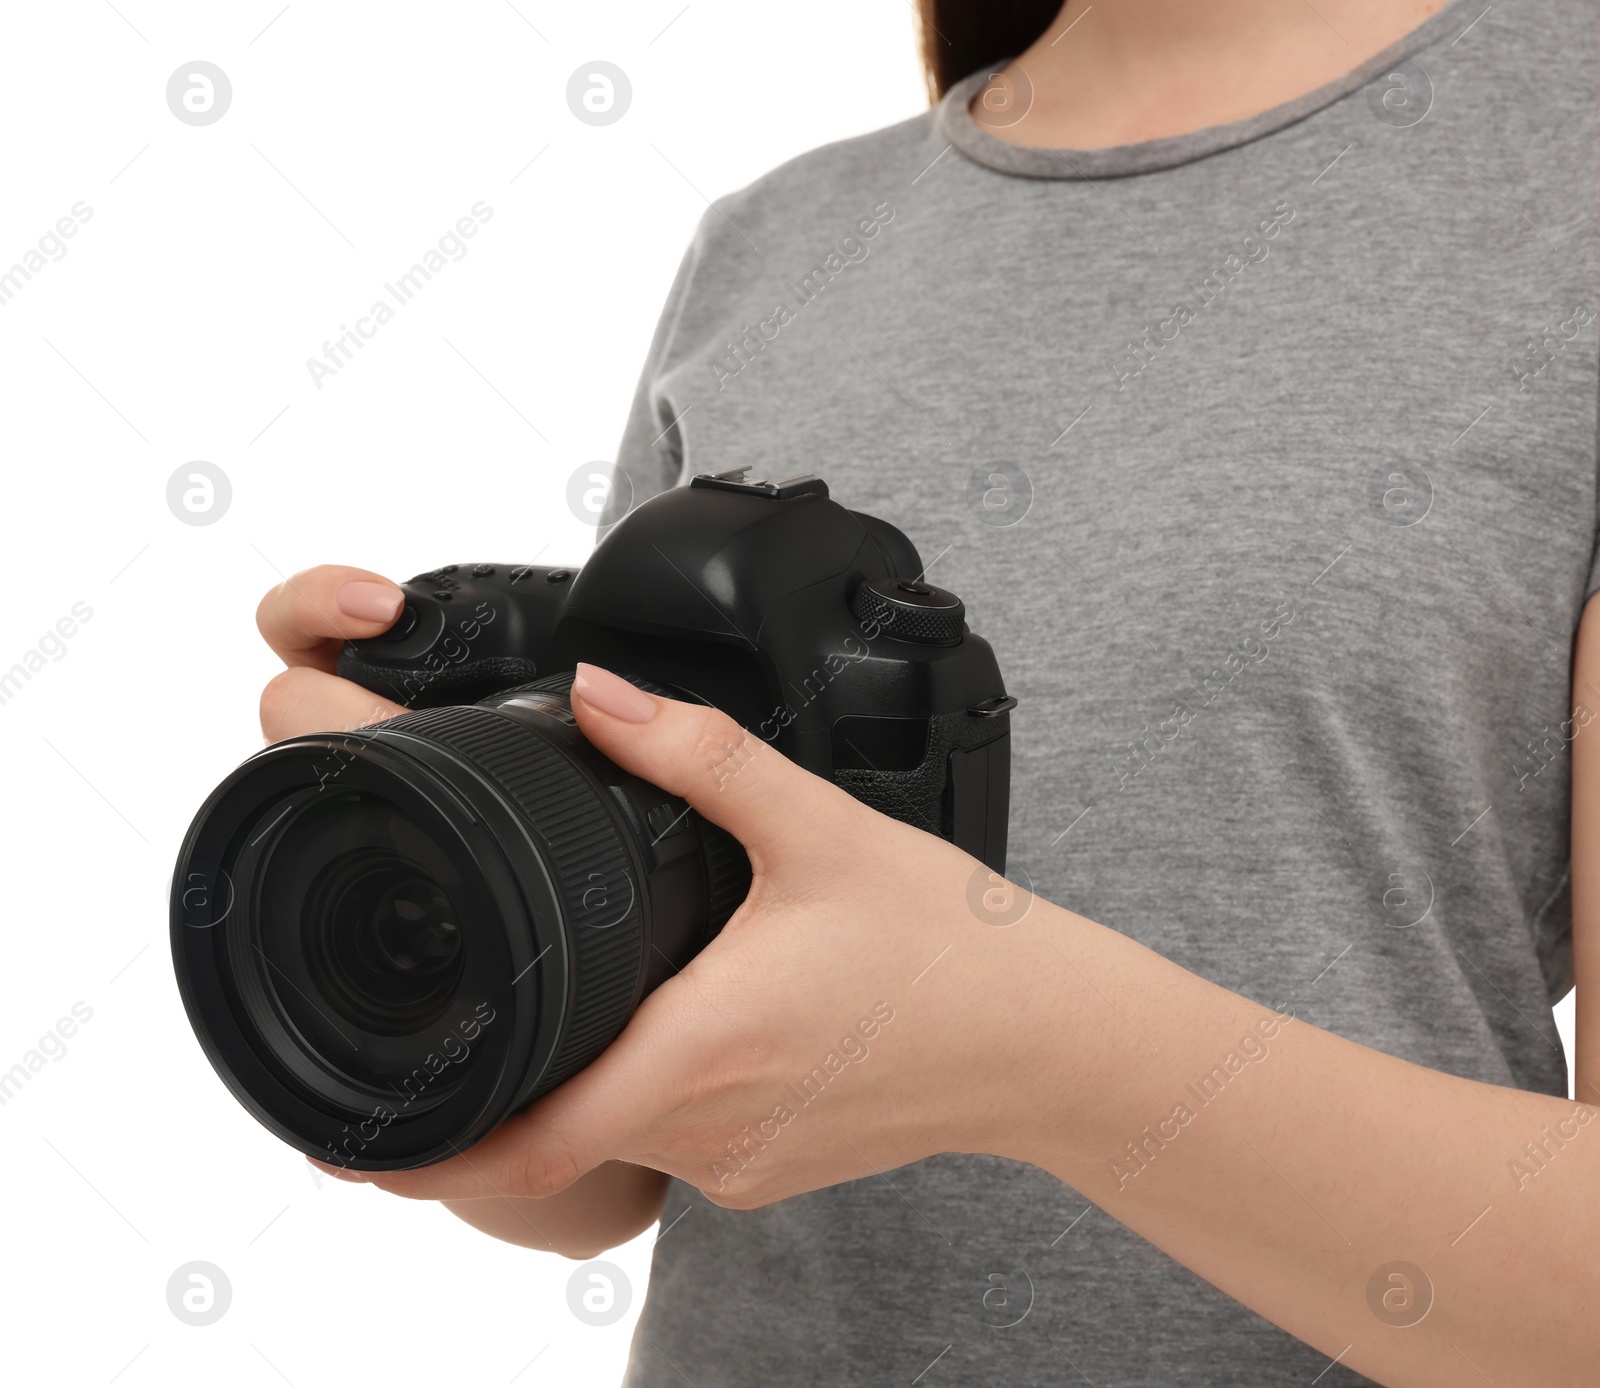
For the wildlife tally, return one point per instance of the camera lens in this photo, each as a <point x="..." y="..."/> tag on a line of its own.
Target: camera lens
<point x="389" y="941"/>
<point x="382" y="939"/>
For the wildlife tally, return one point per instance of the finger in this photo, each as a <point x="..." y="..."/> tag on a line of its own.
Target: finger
<point x="538" y="1152"/>
<point x="610" y="1111"/>
<point x="513" y="1160"/>
<point x="302" y="700"/>
<point x="732" y="777"/>
<point x="308" y="616"/>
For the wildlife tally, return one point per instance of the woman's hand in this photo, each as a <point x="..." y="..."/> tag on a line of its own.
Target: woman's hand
<point x="306" y="619"/>
<point x="799" y="1049"/>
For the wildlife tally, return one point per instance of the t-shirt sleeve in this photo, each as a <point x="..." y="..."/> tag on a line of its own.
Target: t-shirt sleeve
<point x="650" y="456"/>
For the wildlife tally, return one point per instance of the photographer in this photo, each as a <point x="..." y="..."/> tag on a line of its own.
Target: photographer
<point x="1252" y="1077"/>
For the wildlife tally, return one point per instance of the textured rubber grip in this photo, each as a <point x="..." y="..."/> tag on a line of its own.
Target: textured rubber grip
<point x="921" y="795"/>
<point x="419" y="687"/>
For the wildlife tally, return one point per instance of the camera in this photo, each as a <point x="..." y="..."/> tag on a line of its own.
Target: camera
<point x="389" y="940"/>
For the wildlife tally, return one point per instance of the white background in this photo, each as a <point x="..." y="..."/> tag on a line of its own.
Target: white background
<point x="177" y="327"/>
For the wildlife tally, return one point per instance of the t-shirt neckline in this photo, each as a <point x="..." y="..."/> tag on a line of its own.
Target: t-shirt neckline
<point x="954" y="121"/>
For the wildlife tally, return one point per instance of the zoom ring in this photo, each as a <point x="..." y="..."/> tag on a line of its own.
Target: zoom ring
<point x="726" y="863"/>
<point x="588" y="860"/>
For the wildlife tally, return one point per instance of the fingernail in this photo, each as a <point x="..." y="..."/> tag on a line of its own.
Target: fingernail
<point x="371" y="602"/>
<point x="339" y="1173"/>
<point x="612" y="694"/>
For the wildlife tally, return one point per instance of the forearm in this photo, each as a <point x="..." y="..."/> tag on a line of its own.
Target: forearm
<point x="600" y="1210"/>
<point x="1291" y="1179"/>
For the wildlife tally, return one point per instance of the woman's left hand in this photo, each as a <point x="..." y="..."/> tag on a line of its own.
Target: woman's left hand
<point x="862" y="1011"/>
<point x="831" y="1031"/>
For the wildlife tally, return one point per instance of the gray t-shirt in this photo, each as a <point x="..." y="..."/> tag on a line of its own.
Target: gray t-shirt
<point x="1265" y="457"/>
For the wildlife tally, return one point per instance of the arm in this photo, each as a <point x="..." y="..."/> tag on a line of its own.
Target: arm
<point x="1325" y="1163"/>
<point x="1586" y="862"/>
<point x="1059" y="1042"/>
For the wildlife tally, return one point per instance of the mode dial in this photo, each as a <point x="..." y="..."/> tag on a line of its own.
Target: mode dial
<point x="909" y="610"/>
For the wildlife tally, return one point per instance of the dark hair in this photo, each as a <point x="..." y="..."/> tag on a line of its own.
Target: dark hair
<point x="960" y="36"/>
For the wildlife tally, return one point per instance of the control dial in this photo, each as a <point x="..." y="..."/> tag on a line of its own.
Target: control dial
<point x="910" y="610"/>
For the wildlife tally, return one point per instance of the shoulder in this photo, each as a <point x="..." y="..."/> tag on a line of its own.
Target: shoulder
<point x="803" y="209"/>
<point x="839" y="174"/>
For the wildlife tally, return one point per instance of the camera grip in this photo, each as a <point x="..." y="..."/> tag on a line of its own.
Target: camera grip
<point x="959" y="790"/>
<point x="466" y="631"/>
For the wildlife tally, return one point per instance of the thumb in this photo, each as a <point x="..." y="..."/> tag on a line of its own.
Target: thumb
<point x="730" y="776"/>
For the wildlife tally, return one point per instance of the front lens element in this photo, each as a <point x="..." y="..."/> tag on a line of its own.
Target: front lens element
<point x="382" y="941"/>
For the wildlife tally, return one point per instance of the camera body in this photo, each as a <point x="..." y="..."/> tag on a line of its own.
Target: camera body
<point x="390" y="939"/>
<point x="806" y="622"/>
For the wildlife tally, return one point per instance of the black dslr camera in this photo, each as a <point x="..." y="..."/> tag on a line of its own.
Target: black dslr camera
<point x="391" y="939"/>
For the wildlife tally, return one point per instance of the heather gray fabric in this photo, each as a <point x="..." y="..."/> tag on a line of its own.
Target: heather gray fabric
<point x="1295" y="425"/>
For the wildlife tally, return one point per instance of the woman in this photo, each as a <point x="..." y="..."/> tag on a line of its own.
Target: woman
<point x="1237" y="364"/>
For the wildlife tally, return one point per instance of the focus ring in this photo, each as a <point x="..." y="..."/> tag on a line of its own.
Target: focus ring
<point x="727" y="865"/>
<point x="586" y="856"/>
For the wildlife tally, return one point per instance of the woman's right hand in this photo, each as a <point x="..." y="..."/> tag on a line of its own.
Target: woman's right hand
<point x="306" y="619"/>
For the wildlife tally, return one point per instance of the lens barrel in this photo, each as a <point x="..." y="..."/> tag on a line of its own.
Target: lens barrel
<point x="390" y="940"/>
